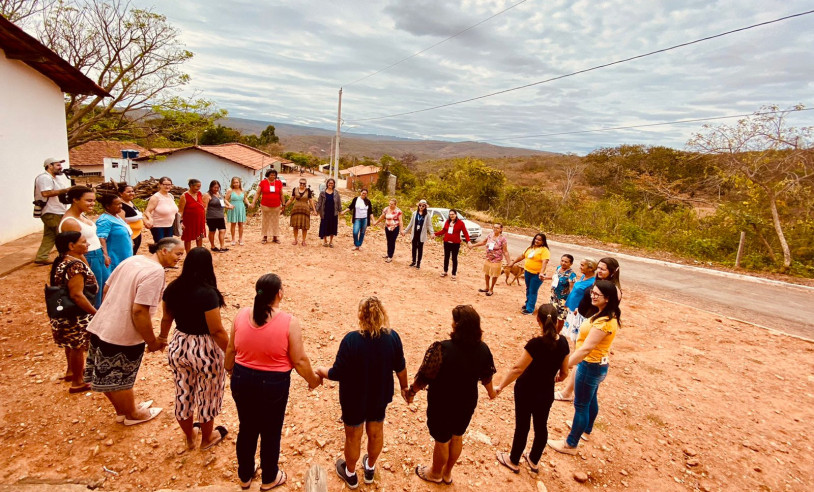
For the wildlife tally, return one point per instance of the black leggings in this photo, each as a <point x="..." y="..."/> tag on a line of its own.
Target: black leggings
<point x="418" y="250"/>
<point x="391" y="240"/>
<point x="451" y="249"/>
<point x="527" y="406"/>
<point x="136" y="244"/>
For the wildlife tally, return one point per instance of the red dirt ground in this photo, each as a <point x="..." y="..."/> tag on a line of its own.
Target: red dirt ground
<point x="692" y="402"/>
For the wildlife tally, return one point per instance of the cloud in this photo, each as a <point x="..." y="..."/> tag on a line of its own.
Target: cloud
<point x="286" y="61"/>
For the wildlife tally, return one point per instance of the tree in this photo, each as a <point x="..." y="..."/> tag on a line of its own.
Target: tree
<point x="184" y="120"/>
<point x="18" y="11"/>
<point x="220" y="135"/>
<point x="266" y="138"/>
<point x="763" y="153"/>
<point x="134" y="54"/>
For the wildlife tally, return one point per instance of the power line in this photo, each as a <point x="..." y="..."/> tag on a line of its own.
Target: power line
<point x="436" y="44"/>
<point x="597" y="67"/>
<point x="676" y="122"/>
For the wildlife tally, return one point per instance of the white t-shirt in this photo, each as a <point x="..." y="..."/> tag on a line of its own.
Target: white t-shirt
<point x="361" y="209"/>
<point x="46" y="182"/>
<point x="137" y="280"/>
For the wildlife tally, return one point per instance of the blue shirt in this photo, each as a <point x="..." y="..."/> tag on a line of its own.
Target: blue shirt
<point x="580" y="286"/>
<point x="116" y="234"/>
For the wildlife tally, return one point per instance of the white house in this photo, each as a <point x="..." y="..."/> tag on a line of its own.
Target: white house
<point x="32" y="120"/>
<point x="204" y="162"/>
<point x="90" y="156"/>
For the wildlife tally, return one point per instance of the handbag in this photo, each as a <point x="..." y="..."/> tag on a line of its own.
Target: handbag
<point x="176" y="226"/>
<point x="59" y="303"/>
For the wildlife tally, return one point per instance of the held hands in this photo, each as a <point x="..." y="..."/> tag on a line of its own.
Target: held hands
<point x="492" y="394"/>
<point x="560" y="377"/>
<point x="315" y="384"/>
<point x="407" y="395"/>
<point x="159" y="344"/>
<point x="497" y="392"/>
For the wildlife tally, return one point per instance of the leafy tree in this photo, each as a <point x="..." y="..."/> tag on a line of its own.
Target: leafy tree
<point x="184" y="120"/>
<point x="220" y="135"/>
<point x="266" y="138"/>
<point x="763" y="154"/>
<point x="134" y="54"/>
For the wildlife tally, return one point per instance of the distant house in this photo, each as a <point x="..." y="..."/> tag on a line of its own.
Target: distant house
<point x="204" y="162"/>
<point x="32" y="120"/>
<point x="360" y="176"/>
<point x="90" y="156"/>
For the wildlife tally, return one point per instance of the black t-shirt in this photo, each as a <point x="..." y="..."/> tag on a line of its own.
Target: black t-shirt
<point x="364" y="367"/>
<point x="546" y="360"/>
<point x="189" y="309"/>
<point x="463" y="366"/>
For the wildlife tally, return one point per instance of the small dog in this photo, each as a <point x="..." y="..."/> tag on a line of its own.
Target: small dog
<point x="515" y="270"/>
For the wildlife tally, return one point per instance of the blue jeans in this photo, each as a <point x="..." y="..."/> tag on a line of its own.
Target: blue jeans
<point x="160" y="233"/>
<point x="586" y="405"/>
<point x="533" y="284"/>
<point x="359" y="227"/>
<point x="96" y="261"/>
<point x="260" y="398"/>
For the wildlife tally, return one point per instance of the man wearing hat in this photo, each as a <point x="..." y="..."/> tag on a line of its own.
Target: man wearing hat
<point x="47" y="188"/>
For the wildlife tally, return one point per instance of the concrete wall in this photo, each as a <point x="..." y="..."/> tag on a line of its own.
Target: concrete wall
<point x="180" y="167"/>
<point x="32" y="128"/>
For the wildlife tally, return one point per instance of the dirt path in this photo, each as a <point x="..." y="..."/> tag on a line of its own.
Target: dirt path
<point x="691" y="401"/>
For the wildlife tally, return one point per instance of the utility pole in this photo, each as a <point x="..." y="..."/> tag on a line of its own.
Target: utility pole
<point x="336" y="145"/>
<point x="331" y="160"/>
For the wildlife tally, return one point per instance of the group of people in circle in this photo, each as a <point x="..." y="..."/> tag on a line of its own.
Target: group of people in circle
<point x="574" y="332"/>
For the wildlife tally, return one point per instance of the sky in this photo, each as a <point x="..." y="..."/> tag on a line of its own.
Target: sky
<point x="284" y="61"/>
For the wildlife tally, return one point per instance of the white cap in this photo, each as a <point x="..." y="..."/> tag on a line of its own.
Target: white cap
<point x="52" y="160"/>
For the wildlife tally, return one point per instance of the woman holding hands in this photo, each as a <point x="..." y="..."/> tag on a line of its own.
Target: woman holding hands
<point x="264" y="346"/>
<point x="393" y="225"/>
<point x="544" y="360"/>
<point x="302" y="198"/>
<point x="420" y="224"/>
<point x="236" y="204"/>
<point x="452" y="231"/>
<point x="536" y="259"/>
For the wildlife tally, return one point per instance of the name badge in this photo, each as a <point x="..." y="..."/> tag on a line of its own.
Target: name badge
<point x="530" y="255"/>
<point x="555" y="281"/>
<point x="451" y="228"/>
<point x="491" y="246"/>
<point x="272" y="188"/>
<point x="418" y="227"/>
<point x="604" y="361"/>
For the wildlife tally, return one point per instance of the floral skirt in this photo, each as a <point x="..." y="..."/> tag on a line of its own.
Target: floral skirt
<point x="71" y="333"/>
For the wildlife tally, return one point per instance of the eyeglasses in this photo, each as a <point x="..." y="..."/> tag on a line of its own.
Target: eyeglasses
<point x="594" y="294"/>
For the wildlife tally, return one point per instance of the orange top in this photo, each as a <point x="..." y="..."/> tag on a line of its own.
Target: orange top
<point x="264" y="348"/>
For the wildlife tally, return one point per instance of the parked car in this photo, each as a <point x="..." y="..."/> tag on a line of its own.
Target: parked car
<point x="440" y="215"/>
<point x="282" y="180"/>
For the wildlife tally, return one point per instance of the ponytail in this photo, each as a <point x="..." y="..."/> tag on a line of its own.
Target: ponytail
<point x="547" y="317"/>
<point x="266" y="290"/>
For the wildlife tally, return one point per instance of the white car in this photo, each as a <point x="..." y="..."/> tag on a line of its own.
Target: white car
<point x="441" y="214"/>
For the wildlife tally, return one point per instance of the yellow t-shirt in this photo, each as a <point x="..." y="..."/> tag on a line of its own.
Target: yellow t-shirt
<point x="534" y="258"/>
<point x="608" y="325"/>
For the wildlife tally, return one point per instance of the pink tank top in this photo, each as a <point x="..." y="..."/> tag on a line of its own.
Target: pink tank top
<point x="262" y="348"/>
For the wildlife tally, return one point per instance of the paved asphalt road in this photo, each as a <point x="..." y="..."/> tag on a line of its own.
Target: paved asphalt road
<point x="783" y="307"/>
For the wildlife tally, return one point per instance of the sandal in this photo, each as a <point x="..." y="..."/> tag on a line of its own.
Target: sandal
<point x="503" y="459"/>
<point x="241" y="243"/>
<point x="534" y="468"/>
<point x="444" y="274"/>
<point x="153" y="414"/>
<point x="248" y="485"/>
<point x="482" y="290"/>
<point x="295" y="242"/>
<point x="490" y="293"/>
<point x="281" y="478"/>
<point x="265" y="240"/>
<point x="421" y="471"/>
<point x="79" y="389"/>
<point x="558" y="396"/>
<point x="221" y="432"/>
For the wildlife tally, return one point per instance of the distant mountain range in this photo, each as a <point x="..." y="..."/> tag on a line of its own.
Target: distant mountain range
<point x="317" y="141"/>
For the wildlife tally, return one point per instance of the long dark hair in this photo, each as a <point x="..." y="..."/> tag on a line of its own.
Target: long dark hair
<point x="545" y="243"/>
<point x="547" y="316"/>
<point x="613" y="268"/>
<point x="457" y="215"/>
<point x="74" y="193"/>
<point x="611" y="309"/>
<point x="467" y="325"/>
<point x="266" y="290"/>
<point x="196" y="272"/>
<point x="213" y="183"/>
<point x="63" y="242"/>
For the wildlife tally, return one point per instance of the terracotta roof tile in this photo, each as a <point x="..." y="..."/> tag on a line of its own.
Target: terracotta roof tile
<point x="94" y="152"/>
<point x="238" y="153"/>
<point x="360" y="170"/>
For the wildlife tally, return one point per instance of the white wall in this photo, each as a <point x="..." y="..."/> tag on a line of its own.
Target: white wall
<point x="32" y="128"/>
<point x="180" y="167"/>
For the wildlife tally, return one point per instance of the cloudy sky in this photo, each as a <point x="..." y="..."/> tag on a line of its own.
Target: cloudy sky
<point x="285" y="60"/>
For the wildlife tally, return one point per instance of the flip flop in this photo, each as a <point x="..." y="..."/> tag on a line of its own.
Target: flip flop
<point x="534" y="468"/>
<point x="490" y="293"/>
<point x="221" y="432"/>
<point x="482" y="290"/>
<point x="421" y="472"/>
<point x="153" y="414"/>
<point x="558" y="396"/>
<point x="79" y="389"/>
<point x="248" y="485"/>
<point x="447" y="483"/>
<point x="281" y="478"/>
<point x="504" y="460"/>
<point x="143" y="405"/>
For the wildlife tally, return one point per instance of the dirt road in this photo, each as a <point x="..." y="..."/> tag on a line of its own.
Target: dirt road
<point x="788" y="308"/>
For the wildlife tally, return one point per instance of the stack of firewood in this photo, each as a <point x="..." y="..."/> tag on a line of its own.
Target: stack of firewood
<point x="143" y="189"/>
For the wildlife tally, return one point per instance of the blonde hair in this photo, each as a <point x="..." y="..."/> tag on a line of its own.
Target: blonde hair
<point x="239" y="183"/>
<point x="372" y="317"/>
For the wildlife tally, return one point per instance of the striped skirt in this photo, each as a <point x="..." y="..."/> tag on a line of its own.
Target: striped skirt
<point x="197" y="365"/>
